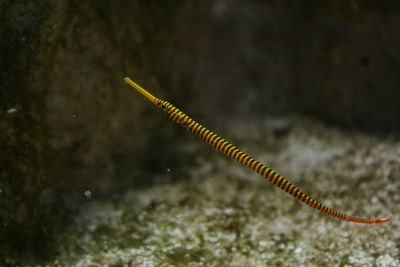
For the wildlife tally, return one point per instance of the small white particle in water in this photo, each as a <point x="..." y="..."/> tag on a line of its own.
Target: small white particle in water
<point x="168" y="169"/>
<point x="88" y="194"/>
<point x="11" y="110"/>
<point x="74" y="116"/>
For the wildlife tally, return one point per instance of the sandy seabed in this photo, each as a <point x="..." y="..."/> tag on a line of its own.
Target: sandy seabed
<point x="219" y="213"/>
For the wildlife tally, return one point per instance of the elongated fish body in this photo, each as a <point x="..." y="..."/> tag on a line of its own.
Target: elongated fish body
<point x="233" y="152"/>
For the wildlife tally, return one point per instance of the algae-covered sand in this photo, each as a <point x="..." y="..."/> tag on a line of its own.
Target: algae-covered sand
<point x="219" y="213"/>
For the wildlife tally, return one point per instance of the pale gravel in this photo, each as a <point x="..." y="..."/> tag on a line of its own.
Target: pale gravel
<point x="225" y="215"/>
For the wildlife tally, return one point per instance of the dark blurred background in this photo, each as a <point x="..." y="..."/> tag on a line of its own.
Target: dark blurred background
<point x="69" y="123"/>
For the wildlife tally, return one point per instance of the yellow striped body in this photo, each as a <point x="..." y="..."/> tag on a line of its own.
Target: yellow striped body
<point x="231" y="151"/>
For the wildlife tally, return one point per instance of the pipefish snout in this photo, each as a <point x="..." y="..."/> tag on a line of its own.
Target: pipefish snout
<point x="233" y="152"/>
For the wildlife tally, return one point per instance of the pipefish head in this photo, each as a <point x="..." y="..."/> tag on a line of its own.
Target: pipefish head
<point x="162" y="104"/>
<point x="156" y="101"/>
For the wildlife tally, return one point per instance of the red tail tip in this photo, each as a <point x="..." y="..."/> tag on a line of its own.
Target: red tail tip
<point x="383" y="220"/>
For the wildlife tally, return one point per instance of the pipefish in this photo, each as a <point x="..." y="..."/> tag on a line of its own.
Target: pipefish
<point x="233" y="152"/>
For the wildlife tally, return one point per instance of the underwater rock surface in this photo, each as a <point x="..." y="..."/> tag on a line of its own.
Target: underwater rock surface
<point x="222" y="214"/>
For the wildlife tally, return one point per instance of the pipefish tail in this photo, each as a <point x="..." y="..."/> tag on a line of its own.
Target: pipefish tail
<point x="233" y="152"/>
